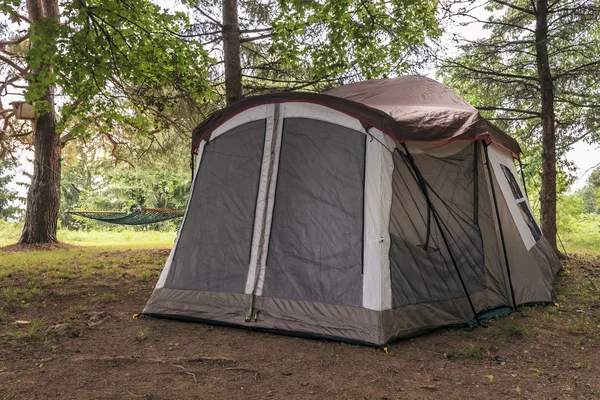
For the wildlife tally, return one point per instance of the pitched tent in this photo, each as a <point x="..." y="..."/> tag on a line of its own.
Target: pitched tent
<point x="378" y="210"/>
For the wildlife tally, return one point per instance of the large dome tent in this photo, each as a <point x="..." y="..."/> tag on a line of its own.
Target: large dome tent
<point x="378" y="210"/>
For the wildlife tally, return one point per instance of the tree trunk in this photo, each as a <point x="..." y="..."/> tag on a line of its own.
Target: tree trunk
<point x="43" y="197"/>
<point x="548" y="191"/>
<point x="231" y="52"/>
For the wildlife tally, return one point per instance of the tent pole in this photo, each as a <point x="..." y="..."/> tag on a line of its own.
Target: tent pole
<point x="489" y="169"/>
<point x="427" y="199"/>
<point x="462" y="282"/>
<point x="421" y="181"/>
<point x="476" y="183"/>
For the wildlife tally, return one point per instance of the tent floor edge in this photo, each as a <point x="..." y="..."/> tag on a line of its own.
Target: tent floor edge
<point x="301" y="334"/>
<point x="494" y="312"/>
<point x="504" y="310"/>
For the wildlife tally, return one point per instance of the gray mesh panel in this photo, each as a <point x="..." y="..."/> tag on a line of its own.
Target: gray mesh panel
<point x="315" y="250"/>
<point x="213" y="251"/>
<point x="421" y="274"/>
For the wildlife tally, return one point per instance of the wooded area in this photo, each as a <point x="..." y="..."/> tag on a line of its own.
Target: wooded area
<point x="118" y="85"/>
<point x="98" y="101"/>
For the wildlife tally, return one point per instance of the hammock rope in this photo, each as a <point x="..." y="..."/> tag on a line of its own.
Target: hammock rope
<point x="140" y="216"/>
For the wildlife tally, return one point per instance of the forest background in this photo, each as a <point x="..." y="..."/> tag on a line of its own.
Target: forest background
<point x="109" y="167"/>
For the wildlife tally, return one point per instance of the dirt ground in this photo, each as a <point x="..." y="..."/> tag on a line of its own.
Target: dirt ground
<point x="73" y="343"/>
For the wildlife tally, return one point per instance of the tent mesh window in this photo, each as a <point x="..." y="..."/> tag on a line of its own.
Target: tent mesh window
<point x="316" y="240"/>
<point x="421" y="265"/>
<point x="521" y="201"/>
<point x="214" y="247"/>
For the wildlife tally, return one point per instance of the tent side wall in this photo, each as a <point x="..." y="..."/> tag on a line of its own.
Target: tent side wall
<point x="420" y="269"/>
<point x="532" y="262"/>
<point x="288" y="234"/>
<point x="436" y="254"/>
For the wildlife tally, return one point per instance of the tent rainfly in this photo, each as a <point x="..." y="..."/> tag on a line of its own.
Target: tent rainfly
<point x="375" y="211"/>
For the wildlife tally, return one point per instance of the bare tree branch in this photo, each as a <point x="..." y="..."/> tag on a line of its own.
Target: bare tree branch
<point x="577" y="104"/>
<point x="14" y="41"/>
<point x="254" y="38"/>
<point x="22" y="70"/>
<point x="517" y="110"/>
<point x="496" y="73"/>
<point x="565" y="73"/>
<point x="476" y="20"/>
<point x="258" y="30"/>
<point x="207" y="15"/>
<point x="66" y="138"/>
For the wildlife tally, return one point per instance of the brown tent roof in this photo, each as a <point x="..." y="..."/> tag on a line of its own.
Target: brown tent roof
<point x="408" y="108"/>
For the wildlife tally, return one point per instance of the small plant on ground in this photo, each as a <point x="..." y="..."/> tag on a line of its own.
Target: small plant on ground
<point x="144" y="276"/>
<point x="579" y="325"/>
<point x="108" y="296"/>
<point x="581" y="364"/>
<point x="34" y="327"/>
<point x="538" y="373"/>
<point x="474" y="351"/>
<point x="143" y="334"/>
<point x="516" y="330"/>
<point x="81" y="309"/>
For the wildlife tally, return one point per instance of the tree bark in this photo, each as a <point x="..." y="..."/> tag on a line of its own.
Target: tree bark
<point x="548" y="191"/>
<point x="43" y="197"/>
<point x="231" y="52"/>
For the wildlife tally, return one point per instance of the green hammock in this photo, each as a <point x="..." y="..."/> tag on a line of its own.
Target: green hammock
<point x="138" y="216"/>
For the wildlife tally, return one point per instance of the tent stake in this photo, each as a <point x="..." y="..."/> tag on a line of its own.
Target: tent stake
<point x="421" y="181"/>
<point x="489" y="169"/>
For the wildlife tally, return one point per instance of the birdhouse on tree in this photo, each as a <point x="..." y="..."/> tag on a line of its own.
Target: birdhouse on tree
<point x="24" y="110"/>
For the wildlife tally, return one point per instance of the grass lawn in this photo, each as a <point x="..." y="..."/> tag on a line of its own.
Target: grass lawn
<point x="127" y="239"/>
<point x="583" y="244"/>
<point x="583" y="236"/>
<point x="66" y="331"/>
<point x="115" y="240"/>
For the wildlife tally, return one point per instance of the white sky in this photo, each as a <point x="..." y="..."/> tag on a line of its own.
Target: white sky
<point x="584" y="156"/>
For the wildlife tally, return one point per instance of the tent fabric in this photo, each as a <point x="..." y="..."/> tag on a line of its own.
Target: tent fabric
<point x="408" y="108"/>
<point x="510" y="188"/>
<point x="269" y="185"/>
<point x="378" y="201"/>
<point x="166" y="270"/>
<point x="315" y="253"/>
<point x="423" y="268"/>
<point x="303" y="219"/>
<point x="497" y="281"/>
<point x="313" y="319"/>
<point x="260" y="214"/>
<point x="213" y="251"/>
<point x="533" y="269"/>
